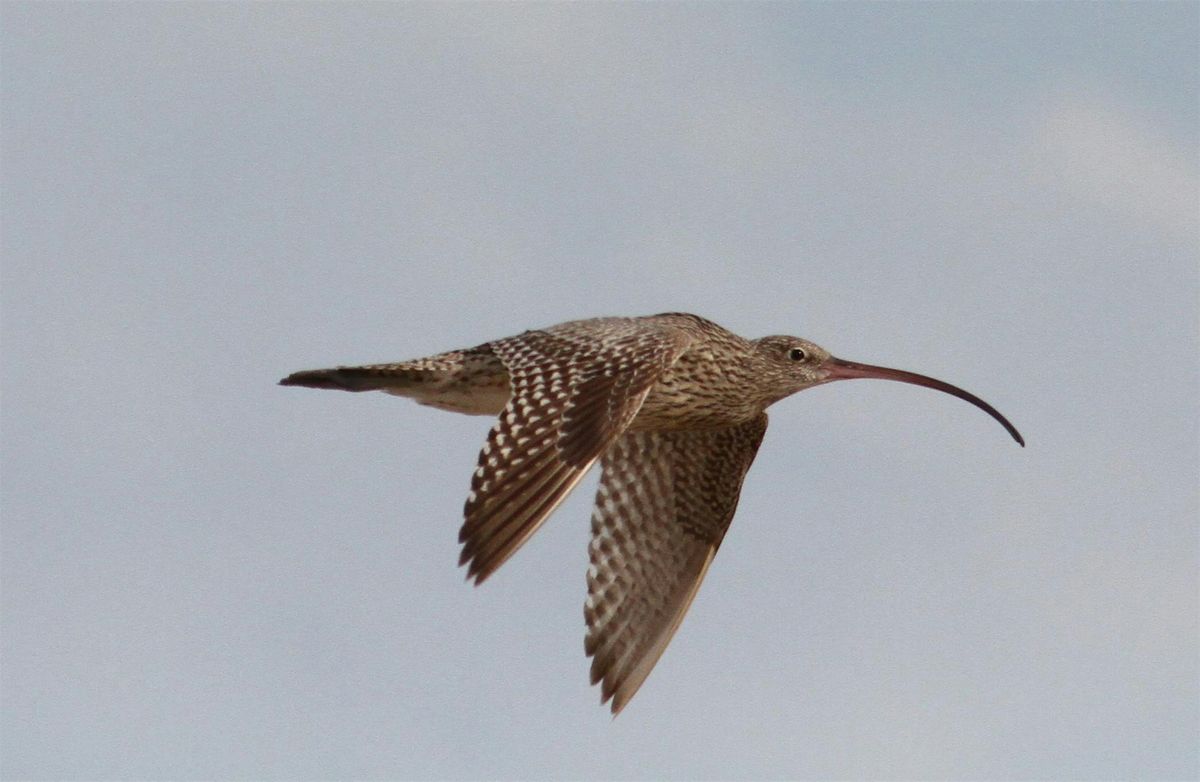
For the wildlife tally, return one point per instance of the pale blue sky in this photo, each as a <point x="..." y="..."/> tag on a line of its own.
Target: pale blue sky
<point x="208" y="576"/>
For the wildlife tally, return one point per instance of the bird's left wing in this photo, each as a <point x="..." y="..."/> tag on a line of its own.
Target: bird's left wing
<point x="666" y="499"/>
<point x="575" y="388"/>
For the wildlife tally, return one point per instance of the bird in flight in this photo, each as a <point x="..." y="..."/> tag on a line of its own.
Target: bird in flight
<point x="673" y="408"/>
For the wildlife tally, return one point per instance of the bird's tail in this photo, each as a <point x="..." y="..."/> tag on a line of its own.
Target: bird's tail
<point x="472" y="381"/>
<point x="371" y="377"/>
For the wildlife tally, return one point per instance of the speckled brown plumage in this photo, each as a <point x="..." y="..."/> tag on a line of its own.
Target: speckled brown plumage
<point x="672" y="406"/>
<point x="664" y="503"/>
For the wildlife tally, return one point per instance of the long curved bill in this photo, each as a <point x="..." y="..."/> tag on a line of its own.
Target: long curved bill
<point x="840" y="369"/>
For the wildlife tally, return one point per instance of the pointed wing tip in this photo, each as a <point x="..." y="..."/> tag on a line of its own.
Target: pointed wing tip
<point x="479" y="566"/>
<point x="474" y="572"/>
<point x="616" y="700"/>
<point x="607" y="699"/>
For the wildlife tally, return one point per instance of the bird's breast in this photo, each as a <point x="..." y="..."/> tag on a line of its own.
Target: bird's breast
<point x="696" y="395"/>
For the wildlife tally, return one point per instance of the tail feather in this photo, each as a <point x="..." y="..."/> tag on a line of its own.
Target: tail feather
<point x="366" y="378"/>
<point x="474" y="381"/>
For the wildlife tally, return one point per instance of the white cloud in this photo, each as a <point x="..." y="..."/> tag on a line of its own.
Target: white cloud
<point x="1122" y="162"/>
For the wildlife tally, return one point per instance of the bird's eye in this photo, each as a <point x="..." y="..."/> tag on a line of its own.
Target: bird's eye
<point x="797" y="354"/>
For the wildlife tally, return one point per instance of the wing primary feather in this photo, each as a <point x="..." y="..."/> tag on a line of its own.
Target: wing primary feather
<point x="664" y="504"/>
<point x="516" y="517"/>
<point x="529" y="476"/>
<point x="494" y="559"/>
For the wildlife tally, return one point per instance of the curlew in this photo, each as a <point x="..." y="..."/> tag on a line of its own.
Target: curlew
<point x="672" y="406"/>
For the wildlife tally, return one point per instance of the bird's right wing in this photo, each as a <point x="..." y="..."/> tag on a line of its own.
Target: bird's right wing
<point x="666" y="499"/>
<point x="575" y="388"/>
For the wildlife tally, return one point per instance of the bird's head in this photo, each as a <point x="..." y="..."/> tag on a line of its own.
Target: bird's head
<point x="793" y="364"/>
